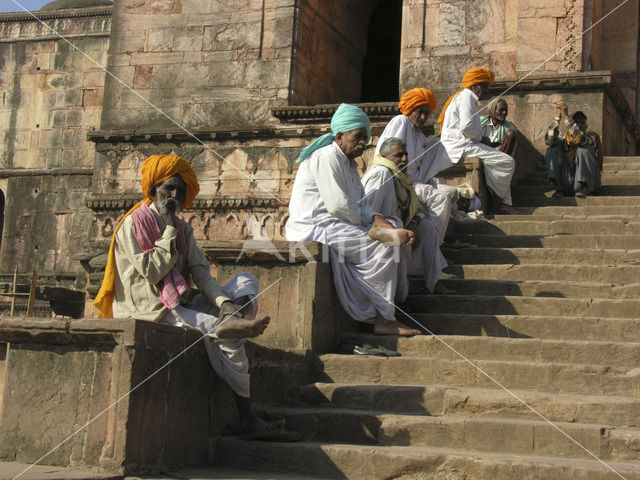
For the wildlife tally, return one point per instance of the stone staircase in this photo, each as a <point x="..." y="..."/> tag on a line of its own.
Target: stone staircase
<point x="546" y="307"/>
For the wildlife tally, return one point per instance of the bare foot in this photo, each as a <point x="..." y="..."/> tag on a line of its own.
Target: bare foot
<point x="237" y="327"/>
<point x="398" y="237"/>
<point x="390" y="327"/>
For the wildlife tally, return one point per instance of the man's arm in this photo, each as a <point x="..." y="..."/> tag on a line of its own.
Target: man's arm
<point x="469" y="119"/>
<point x="552" y="137"/>
<point x="576" y="136"/>
<point x="155" y="265"/>
<point x="200" y="270"/>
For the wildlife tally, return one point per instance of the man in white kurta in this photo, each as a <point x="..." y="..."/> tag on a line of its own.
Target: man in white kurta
<point x="426" y="157"/>
<point x="326" y="206"/>
<point x="462" y="137"/>
<point x="385" y="194"/>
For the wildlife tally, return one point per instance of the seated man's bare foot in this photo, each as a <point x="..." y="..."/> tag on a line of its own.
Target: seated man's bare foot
<point x="233" y="326"/>
<point x="390" y="327"/>
<point x="273" y="431"/>
<point x="395" y="236"/>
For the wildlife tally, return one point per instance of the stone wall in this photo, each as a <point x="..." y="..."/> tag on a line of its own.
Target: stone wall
<point x="52" y="95"/>
<point x="204" y="64"/>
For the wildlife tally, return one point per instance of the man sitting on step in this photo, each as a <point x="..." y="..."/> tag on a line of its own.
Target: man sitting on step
<point x="152" y="259"/>
<point x="574" y="159"/>
<point x="497" y="131"/>
<point x="389" y="191"/>
<point x="327" y="206"/>
<point x="462" y="137"/>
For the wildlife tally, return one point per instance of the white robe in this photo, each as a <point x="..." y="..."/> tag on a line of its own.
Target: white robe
<point x="426" y="158"/>
<point x="425" y="258"/>
<point x="326" y="206"/>
<point x="461" y="136"/>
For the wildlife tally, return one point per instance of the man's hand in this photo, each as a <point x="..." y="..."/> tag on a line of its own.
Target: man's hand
<point x="486" y="141"/>
<point x="169" y="217"/>
<point x="562" y="109"/>
<point x="380" y="222"/>
<point x="229" y="308"/>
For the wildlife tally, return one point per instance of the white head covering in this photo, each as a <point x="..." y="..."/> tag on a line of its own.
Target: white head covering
<point x="244" y="284"/>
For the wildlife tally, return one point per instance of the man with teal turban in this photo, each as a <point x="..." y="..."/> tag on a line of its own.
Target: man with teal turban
<point x="326" y="206"/>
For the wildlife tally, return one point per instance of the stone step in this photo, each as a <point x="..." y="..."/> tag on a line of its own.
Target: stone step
<point x="532" y="326"/>
<point x="495" y="435"/>
<point x="534" y="288"/>
<point x="441" y="400"/>
<point x="609" y="177"/>
<point x="544" y="198"/>
<point x="505" y="305"/>
<point x="366" y="462"/>
<point x="626" y="210"/>
<point x="579" y="273"/>
<point x="604" y="191"/>
<point x="552" y="218"/>
<point x="513" y="374"/>
<point x="555" y="256"/>
<point x="543" y="241"/>
<point x="622" y="354"/>
<point x="531" y="226"/>
<point x="631" y="160"/>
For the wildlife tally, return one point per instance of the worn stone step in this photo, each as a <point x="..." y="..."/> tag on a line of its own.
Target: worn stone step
<point x="556" y="256"/>
<point x="533" y="288"/>
<point x="579" y="273"/>
<point x="532" y="226"/>
<point x="366" y="462"/>
<point x="552" y="218"/>
<point x="496" y="435"/>
<point x="626" y="210"/>
<point x="552" y="377"/>
<point x="612" y="160"/>
<point x="604" y="191"/>
<point x="505" y="305"/>
<point x="609" y="177"/>
<point x="532" y="326"/>
<point x="441" y="400"/>
<point x="544" y="241"/>
<point x="528" y="199"/>
<point x="623" y="354"/>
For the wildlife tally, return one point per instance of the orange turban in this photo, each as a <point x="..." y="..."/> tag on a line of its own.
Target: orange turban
<point x="470" y="78"/>
<point x="416" y="97"/>
<point x="156" y="170"/>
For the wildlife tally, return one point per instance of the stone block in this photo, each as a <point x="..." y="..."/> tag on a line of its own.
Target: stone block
<point x="142" y="77"/>
<point x="160" y="40"/>
<point x="92" y="97"/>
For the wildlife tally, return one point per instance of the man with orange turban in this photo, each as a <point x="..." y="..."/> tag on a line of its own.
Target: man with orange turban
<point x="461" y="135"/>
<point x="425" y="159"/>
<point x="152" y="259"/>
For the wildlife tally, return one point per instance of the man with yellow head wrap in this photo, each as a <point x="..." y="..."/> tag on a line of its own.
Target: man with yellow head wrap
<point x="426" y="157"/>
<point x="153" y="258"/>
<point x="461" y="135"/>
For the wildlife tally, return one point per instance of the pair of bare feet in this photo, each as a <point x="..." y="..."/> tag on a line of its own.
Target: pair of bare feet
<point x="399" y="237"/>
<point x="393" y="327"/>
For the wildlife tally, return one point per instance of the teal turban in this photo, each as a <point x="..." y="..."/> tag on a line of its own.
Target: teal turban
<point x="347" y="118"/>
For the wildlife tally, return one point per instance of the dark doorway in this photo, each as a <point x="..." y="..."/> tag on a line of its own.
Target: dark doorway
<point x="1" y="215"/>
<point x="381" y="69"/>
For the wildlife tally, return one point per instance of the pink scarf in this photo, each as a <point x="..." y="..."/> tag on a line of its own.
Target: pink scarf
<point x="174" y="285"/>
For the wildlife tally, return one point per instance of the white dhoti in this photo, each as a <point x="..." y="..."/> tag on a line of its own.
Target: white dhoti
<point x="227" y="356"/>
<point x="364" y="272"/>
<point x="498" y="169"/>
<point x="426" y="258"/>
<point x="436" y="198"/>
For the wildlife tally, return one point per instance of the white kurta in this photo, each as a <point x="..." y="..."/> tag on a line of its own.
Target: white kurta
<point x="425" y="258"/>
<point x="137" y="296"/>
<point x="326" y="206"/>
<point x="461" y="136"/>
<point x="426" y="158"/>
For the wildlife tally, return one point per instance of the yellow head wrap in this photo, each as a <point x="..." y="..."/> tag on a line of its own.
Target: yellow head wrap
<point x="470" y="78"/>
<point x="416" y="97"/>
<point x="156" y="170"/>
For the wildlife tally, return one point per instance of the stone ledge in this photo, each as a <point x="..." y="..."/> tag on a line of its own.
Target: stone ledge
<point x="264" y="251"/>
<point x="39" y="172"/>
<point x="57" y="14"/>
<point x="315" y="113"/>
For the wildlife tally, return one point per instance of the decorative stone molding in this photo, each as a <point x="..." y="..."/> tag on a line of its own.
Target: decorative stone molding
<point x="57" y="14"/>
<point x="99" y="203"/>
<point x="39" y="172"/>
<point x="315" y="113"/>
